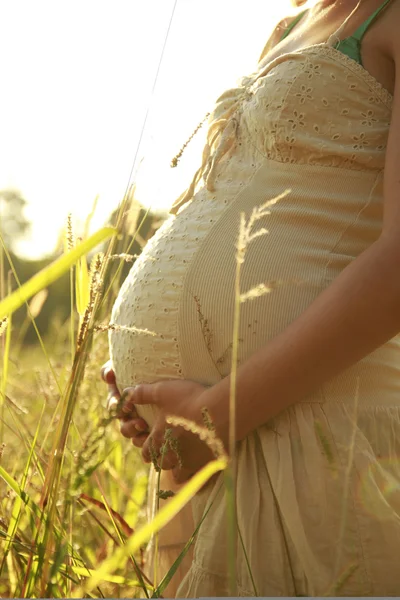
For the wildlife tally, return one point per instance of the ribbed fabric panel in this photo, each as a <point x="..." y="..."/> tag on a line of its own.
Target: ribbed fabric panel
<point x="314" y="233"/>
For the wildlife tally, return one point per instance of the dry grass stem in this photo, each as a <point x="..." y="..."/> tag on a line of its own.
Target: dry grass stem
<point x="3" y="325"/>
<point x="343" y="579"/>
<point x="175" y="160"/>
<point x="70" y="238"/>
<point x="205" y="328"/>
<point x="95" y="287"/>
<point x="16" y="405"/>
<point x="206" y="435"/>
<point x="95" y="281"/>
<point x="207" y="419"/>
<point x="258" y="213"/>
<point x="126" y="257"/>
<point x="114" y="327"/>
<point x="224" y="355"/>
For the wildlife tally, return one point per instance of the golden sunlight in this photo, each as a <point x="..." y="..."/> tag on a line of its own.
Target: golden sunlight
<point x="78" y="81"/>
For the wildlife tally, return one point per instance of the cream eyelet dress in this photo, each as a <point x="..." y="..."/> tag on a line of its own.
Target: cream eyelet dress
<point x="318" y="494"/>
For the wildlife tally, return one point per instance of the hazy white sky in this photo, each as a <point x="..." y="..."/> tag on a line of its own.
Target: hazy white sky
<point x="76" y="80"/>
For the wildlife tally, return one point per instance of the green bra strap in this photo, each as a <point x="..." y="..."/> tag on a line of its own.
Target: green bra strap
<point x="361" y="31"/>
<point x="293" y="24"/>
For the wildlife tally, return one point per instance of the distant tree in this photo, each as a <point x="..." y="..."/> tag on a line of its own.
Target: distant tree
<point x="13" y="222"/>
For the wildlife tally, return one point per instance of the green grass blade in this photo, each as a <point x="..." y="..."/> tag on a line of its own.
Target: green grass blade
<point x="4" y="375"/>
<point x="247" y="563"/>
<point x="168" y="576"/>
<point x="231" y="527"/>
<point x="121" y="541"/>
<point x="18" y="504"/>
<point x="52" y="272"/>
<point x="118" y="579"/>
<point x="17" y="489"/>
<point x="10" y="262"/>
<point x="137" y="499"/>
<point x="168" y="512"/>
<point x="6" y="357"/>
<point x="82" y="285"/>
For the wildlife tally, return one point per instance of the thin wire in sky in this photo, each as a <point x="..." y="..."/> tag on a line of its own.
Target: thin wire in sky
<point x="151" y="98"/>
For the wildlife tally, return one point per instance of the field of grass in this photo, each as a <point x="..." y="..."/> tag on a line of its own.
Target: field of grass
<point x="72" y="489"/>
<point x="101" y="487"/>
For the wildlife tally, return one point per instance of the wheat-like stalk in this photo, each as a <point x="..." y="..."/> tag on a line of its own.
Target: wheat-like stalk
<point x="70" y="238"/>
<point x="175" y="160"/>
<point x="206" y="435"/>
<point x="126" y="257"/>
<point x="114" y="327"/>
<point x="205" y="328"/>
<point x="95" y="281"/>
<point x="208" y="422"/>
<point x="95" y="286"/>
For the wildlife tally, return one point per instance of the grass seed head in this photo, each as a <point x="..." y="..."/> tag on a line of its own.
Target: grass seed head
<point x="70" y="238"/>
<point x="207" y="436"/>
<point x="176" y="159"/>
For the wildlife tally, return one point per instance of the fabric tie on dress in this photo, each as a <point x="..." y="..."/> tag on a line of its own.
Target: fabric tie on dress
<point x="222" y="131"/>
<point x="221" y="136"/>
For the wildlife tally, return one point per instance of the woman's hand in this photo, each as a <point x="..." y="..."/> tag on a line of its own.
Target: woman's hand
<point x="132" y="426"/>
<point x="184" y="452"/>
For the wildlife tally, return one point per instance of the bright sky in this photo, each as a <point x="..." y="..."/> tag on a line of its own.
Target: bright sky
<point x="76" y="80"/>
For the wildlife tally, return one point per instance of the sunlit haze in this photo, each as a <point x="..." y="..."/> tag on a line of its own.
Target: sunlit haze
<point x="76" y="83"/>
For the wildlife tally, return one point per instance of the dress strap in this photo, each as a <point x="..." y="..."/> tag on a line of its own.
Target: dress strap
<point x="293" y="24"/>
<point x="361" y="31"/>
<point x="334" y="39"/>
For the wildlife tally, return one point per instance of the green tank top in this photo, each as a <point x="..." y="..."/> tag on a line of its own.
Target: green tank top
<point x="351" y="46"/>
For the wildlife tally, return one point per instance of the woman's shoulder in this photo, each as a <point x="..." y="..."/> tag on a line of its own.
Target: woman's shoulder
<point x="277" y="34"/>
<point x="390" y="30"/>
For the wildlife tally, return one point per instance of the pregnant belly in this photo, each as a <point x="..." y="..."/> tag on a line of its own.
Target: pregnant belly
<point x="174" y="314"/>
<point x="144" y="344"/>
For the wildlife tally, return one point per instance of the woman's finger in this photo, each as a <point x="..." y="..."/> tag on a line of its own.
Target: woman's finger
<point x="152" y="449"/>
<point x="107" y="373"/>
<point x="152" y="446"/>
<point x="104" y="367"/>
<point x="113" y="399"/>
<point x="139" y="439"/>
<point x="133" y="427"/>
<point x="128" y="412"/>
<point x="128" y="409"/>
<point x="181" y="475"/>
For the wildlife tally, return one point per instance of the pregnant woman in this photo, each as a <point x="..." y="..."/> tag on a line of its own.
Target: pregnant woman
<point x="318" y="382"/>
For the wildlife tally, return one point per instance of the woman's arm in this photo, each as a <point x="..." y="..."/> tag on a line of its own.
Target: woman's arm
<point x="357" y="313"/>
